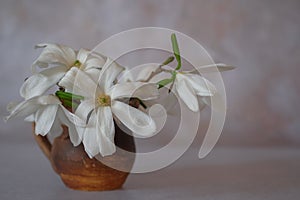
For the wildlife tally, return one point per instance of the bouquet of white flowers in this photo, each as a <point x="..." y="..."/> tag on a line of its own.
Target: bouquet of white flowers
<point x="90" y="96"/>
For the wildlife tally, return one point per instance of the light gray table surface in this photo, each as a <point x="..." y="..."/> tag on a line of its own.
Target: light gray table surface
<point x="227" y="173"/>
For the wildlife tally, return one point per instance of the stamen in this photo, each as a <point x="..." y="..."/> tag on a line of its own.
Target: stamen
<point x="77" y="63"/>
<point x="103" y="100"/>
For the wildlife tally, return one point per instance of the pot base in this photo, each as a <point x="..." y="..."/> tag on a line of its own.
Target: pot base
<point x="89" y="183"/>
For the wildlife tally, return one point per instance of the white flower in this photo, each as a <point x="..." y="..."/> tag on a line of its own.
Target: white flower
<point x="187" y="85"/>
<point x="102" y="102"/>
<point x="48" y="114"/>
<point x="61" y="59"/>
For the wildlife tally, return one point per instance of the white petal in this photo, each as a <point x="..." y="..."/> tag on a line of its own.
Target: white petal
<point x="127" y="76"/>
<point x="39" y="83"/>
<point x="203" y="102"/>
<point x="24" y="108"/>
<point x="84" y="108"/>
<point x="30" y="118"/>
<point x="94" y="73"/>
<point x="90" y="139"/>
<point x="134" y="119"/>
<point x="109" y="73"/>
<point x="74" y="119"/>
<point x="146" y="72"/>
<point x="202" y="86"/>
<point x="56" y="129"/>
<point x="11" y="106"/>
<point x="69" y="119"/>
<point x="144" y="91"/>
<point x="106" y="131"/>
<point x="54" y="53"/>
<point x="82" y="55"/>
<point x="31" y="105"/>
<point x="78" y="82"/>
<point x="94" y="63"/>
<point x="44" y="119"/>
<point x="187" y="94"/>
<point x="47" y="99"/>
<point x="219" y="67"/>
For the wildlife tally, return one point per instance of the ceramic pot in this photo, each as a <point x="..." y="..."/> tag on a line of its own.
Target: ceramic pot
<point x="79" y="172"/>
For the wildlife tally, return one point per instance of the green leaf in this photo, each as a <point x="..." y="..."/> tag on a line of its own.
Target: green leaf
<point x="176" y="50"/>
<point x="164" y="82"/>
<point x="68" y="95"/>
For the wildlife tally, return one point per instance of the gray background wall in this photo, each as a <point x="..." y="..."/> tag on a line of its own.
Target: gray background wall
<point x="260" y="37"/>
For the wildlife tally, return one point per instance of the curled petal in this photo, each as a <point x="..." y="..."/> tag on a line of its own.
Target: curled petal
<point x="134" y="119"/>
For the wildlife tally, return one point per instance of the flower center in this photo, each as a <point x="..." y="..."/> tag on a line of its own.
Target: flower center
<point x="77" y="63"/>
<point x="103" y="100"/>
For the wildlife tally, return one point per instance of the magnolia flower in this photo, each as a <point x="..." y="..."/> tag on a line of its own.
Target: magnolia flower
<point x="187" y="84"/>
<point x="102" y="101"/>
<point x="48" y="114"/>
<point x="61" y="58"/>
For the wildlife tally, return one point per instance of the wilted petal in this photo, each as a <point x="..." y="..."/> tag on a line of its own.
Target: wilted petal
<point x="39" y="83"/>
<point x="109" y="73"/>
<point x="187" y="94"/>
<point x="134" y="119"/>
<point x="90" y="139"/>
<point x="78" y="82"/>
<point x="219" y="67"/>
<point x="44" y="119"/>
<point x="144" y="91"/>
<point x="106" y="131"/>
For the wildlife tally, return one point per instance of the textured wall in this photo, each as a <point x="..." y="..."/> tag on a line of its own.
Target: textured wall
<point x="260" y="37"/>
